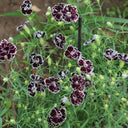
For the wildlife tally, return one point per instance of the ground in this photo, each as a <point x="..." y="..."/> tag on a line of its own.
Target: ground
<point x="8" y="24"/>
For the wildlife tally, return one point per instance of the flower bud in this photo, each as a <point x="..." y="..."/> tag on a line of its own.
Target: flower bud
<point x="124" y="99"/>
<point x="78" y="69"/>
<point x="49" y="61"/>
<point x="69" y="65"/>
<point x="37" y="112"/>
<point x="106" y="106"/>
<point x="12" y="121"/>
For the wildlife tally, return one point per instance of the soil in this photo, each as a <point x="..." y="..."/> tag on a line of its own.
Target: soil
<point x="8" y="24"/>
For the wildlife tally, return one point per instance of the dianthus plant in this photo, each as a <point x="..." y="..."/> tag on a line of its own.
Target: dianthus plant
<point x="69" y="71"/>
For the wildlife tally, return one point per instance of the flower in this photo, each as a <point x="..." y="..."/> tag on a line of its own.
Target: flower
<point x="81" y="61"/>
<point x="7" y="49"/>
<point x="57" y="116"/>
<point x="32" y="89"/>
<point x="123" y="57"/>
<point x="111" y="54"/>
<point x="22" y="26"/>
<point x="87" y="83"/>
<point x="52" y="84"/>
<point x="91" y="40"/>
<point x="70" y="13"/>
<point x="77" y="97"/>
<point x="36" y="60"/>
<point x="39" y="34"/>
<point x="78" y="82"/>
<point x="57" y="12"/>
<point x="72" y="53"/>
<point x="26" y="7"/>
<point x="59" y="40"/>
<point x="64" y="99"/>
<point x="39" y="81"/>
<point x="88" y="67"/>
<point x="63" y="74"/>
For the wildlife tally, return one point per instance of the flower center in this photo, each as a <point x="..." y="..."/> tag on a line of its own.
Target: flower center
<point x="54" y="84"/>
<point x="6" y="48"/>
<point x="68" y="14"/>
<point x="72" y="53"/>
<point x="36" y="60"/>
<point x="58" y="39"/>
<point x="34" y="89"/>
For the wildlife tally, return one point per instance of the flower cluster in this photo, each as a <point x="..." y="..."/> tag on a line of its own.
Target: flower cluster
<point x="57" y="116"/>
<point x="72" y="53"/>
<point x="77" y="84"/>
<point x="53" y="84"/>
<point x="86" y="65"/>
<point x="36" y="60"/>
<point x="110" y="54"/>
<point x="59" y="40"/>
<point x="26" y="7"/>
<point x="36" y="84"/>
<point x="68" y="13"/>
<point x="39" y="34"/>
<point x="7" y="50"/>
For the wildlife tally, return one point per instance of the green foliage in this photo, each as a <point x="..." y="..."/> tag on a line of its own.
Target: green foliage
<point x="103" y="106"/>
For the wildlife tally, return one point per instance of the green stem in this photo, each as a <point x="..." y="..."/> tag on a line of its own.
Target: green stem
<point x="10" y="89"/>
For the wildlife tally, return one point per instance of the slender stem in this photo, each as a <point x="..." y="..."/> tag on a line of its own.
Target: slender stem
<point x="79" y="33"/>
<point x="10" y="89"/>
<point x="34" y="71"/>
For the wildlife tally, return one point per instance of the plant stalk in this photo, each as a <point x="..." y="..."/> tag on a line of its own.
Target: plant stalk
<point x="10" y="88"/>
<point x="79" y="32"/>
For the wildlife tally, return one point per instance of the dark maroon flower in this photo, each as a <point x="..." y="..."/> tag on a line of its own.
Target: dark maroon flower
<point x="22" y="25"/>
<point x="26" y="7"/>
<point x="52" y="84"/>
<point x="70" y="13"/>
<point x="88" y="67"/>
<point x="89" y="41"/>
<point x="36" y="60"/>
<point x="57" y="116"/>
<point x="39" y="34"/>
<point x="123" y="57"/>
<point x="111" y="54"/>
<point x="8" y="50"/>
<point x="63" y="74"/>
<point x="72" y="53"/>
<point x="59" y="40"/>
<point x="77" y="97"/>
<point x="87" y="83"/>
<point x="32" y="89"/>
<point x="57" y="12"/>
<point x="78" y="82"/>
<point x="81" y="61"/>
<point x="37" y="84"/>
<point x="37" y="79"/>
